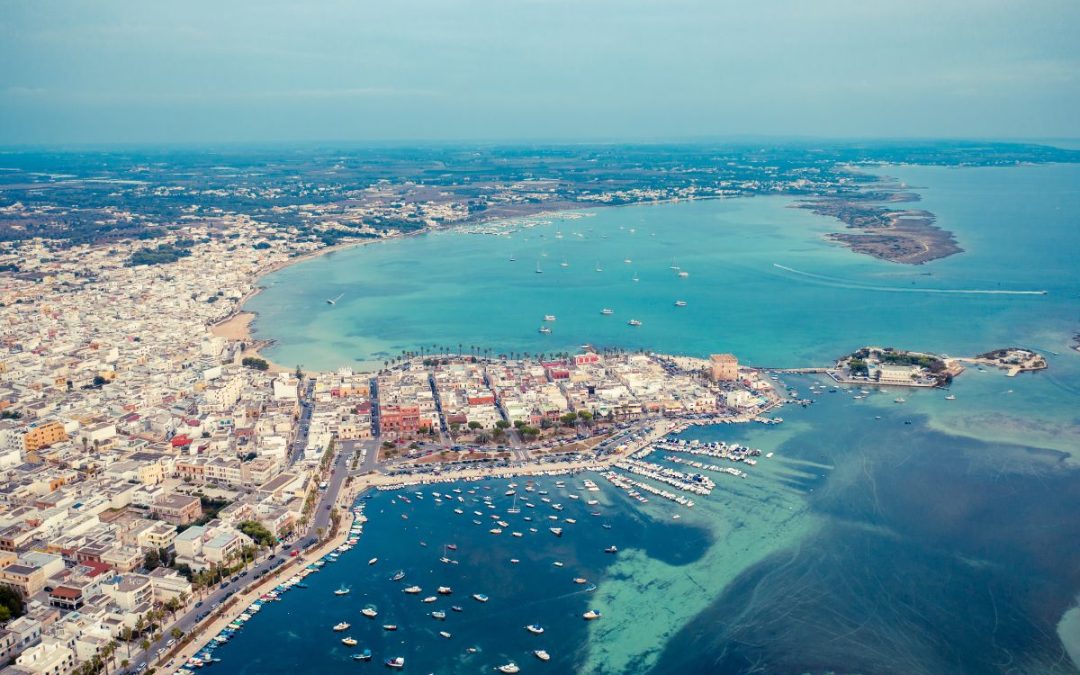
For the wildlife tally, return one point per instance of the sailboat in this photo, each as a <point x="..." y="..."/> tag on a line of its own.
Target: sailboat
<point x="636" y="278"/>
<point x="538" y="270"/>
<point x="514" y="508"/>
<point x="598" y="268"/>
<point x="564" y="263"/>
<point x="513" y="258"/>
<point x="674" y="266"/>
<point x="333" y="301"/>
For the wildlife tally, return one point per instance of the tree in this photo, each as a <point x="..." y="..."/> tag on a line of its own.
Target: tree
<point x="152" y="559"/>
<point x="258" y="532"/>
<point x="11" y="604"/>
<point x="255" y="363"/>
<point x="176" y="633"/>
<point x="474" y="425"/>
<point x="502" y="424"/>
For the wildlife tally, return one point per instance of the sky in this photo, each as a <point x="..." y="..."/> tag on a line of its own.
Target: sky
<point x="198" y="71"/>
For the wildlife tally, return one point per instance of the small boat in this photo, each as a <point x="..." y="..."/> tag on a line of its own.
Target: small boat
<point x="348" y="641"/>
<point x="472" y="650"/>
<point x="333" y="301"/>
<point x="535" y="628"/>
<point x="444" y="634"/>
<point x="363" y="656"/>
<point x="514" y="561"/>
<point x="370" y="612"/>
<point x="457" y="608"/>
<point x="430" y="598"/>
<point x="444" y="590"/>
<point x="591" y="615"/>
<point x="452" y="547"/>
<point x="480" y="597"/>
<point x="580" y="580"/>
<point x="683" y="275"/>
<point x="438" y="615"/>
<point x="627" y="260"/>
<point x="633" y="322"/>
<point x="590" y="588"/>
<point x="899" y="399"/>
<point x="557" y="531"/>
<point x="495" y="530"/>
<point x="509" y="668"/>
<point x="341" y="591"/>
<point x="411" y="589"/>
<point x="544" y="330"/>
<point x="389" y="626"/>
<point x="549" y="317"/>
<point x="557" y="563"/>
<point x="607" y="312"/>
<point x="398" y="576"/>
<point x="564" y="263"/>
<point x="680" y="303"/>
<point x="373" y="561"/>
<point x="338" y="627"/>
<point x="950" y="397"/>
<point x="542" y="655"/>
<point x="611" y="549"/>
<point x="396" y="662"/>
<point x="636" y="277"/>
<point x="538" y="270"/>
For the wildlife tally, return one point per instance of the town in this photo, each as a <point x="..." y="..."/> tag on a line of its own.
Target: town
<point x="151" y="467"/>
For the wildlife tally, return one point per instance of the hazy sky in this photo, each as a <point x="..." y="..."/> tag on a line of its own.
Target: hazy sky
<point x="75" y="71"/>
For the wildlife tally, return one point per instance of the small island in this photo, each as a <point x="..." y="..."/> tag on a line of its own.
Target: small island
<point x="895" y="367"/>
<point x="1015" y="360"/>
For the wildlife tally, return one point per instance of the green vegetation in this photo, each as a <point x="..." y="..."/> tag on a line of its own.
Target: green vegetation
<point x="258" y="532"/>
<point x="11" y="604"/>
<point x="161" y="254"/>
<point x="255" y="363"/>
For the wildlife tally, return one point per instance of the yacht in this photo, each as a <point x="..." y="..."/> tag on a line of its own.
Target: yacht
<point x="370" y="612"/>
<point x="341" y="591"/>
<point x="544" y="329"/>
<point x="373" y="561"/>
<point x="542" y="655"/>
<point x="457" y="608"/>
<point x="412" y="589"/>
<point x="607" y="312"/>
<point x="549" y="317"/>
<point x="673" y="265"/>
<point x="514" y="508"/>
<point x="430" y="599"/>
<point x="535" y="628"/>
<point x="633" y="322"/>
<point x="680" y="303"/>
<point x="480" y="597"/>
<point x="627" y="260"/>
<point x="389" y="626"/>
<point x="591" y="615"/>
<point x="557" y="531"/>
<point x="611" y="549"/>
<point x="438" y="615"/>
<point x="363" y="656"/>
<point x="398" y="576"/>
<point x="598" y="268"/>
<point x="564" y="263"/>
<point x="348" y="641"/>
<point x="396" y="662"/>
<point x="580" y="580"/>
<point x="683" y="275"/>
<point x="445" y="590"/>
<point x="343" y="626"/>
<point x="509" y="668"/>
<point x="445" y="634"/>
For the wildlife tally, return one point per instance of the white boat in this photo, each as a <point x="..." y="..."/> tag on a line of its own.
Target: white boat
<point x="348" y="642"/>
<point x="633" y="322"/>
<point x="542" y="655"/>
<point x="607" y="312"/>
<point x="480" y="597"/>
<point x="627" y="260"/>
<point x="680" y="303"/>
<point x="438" y="614"/>
<point x="591" y="615"/>
<point x="557" y="531"/>
<point x="544" y="329"/>
<point x="373" y="561"/>
<point x="636" y="277"/>
<point x="564" y="263"/>
<point x="412" y="589"/>
<point x="549" y="317"/>
<point x="611" y="549"/>
<point x="444" y="634"/>
<point x="341" y="591"/>
<point x="370" y="612"/>
<point x="580" y="580"/>
<point x="343" y="626"/>
<point x="509" y="668"/>
<point x="683" y="275"/>
<point x="538" y="270"/>
<point x="950" y="397"/>
<point x="535" y="628"/>
<point x="445" y="590"/>
<point x="396" y="662"/>
<point x="598" y="268"/>
<point x="333" y="301"/>
<point x="430" y="598"/>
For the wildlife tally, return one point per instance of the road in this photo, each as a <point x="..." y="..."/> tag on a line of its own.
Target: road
<point x="307" y="406"/>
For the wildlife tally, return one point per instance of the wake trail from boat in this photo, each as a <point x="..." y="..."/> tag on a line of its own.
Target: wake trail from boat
<point x="844" y="283"/>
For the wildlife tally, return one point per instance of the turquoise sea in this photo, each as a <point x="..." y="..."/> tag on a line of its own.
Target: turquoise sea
<point x="941" y="537"/>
